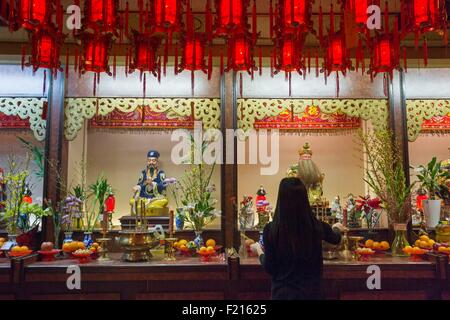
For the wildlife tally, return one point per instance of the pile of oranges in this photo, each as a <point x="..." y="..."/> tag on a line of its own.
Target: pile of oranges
<point x="424" y="242"/>
<point x="377" y="246"/>
<point x="185" y="246"/>
<point x="20" y="249"/>
<point x="442" y="249"/>
<point x="414" y="250"/>
<point x="73" y="246"/>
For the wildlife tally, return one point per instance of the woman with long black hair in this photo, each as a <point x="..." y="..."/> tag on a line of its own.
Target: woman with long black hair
<point x="293" y="245"/>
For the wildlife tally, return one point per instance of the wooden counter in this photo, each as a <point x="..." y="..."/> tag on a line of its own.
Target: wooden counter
<point x="6" y="288"/>
<point x="188" y="278"/>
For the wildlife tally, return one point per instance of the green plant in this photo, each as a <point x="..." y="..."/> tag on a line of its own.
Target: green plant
<point x="385" y="174"/>
<point x="38" y="156"/>
<point x="99" y="191"/>
<point x="31" y="216"/>
<point x="432" y="177"/>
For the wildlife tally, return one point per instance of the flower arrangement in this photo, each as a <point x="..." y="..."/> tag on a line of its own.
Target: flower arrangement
<point x="385" y="174"/>
<point x="433" y="178"/>
<point x="99" y="191"/>
<point x="265" y="212"/>
<point x="369" y="209"/>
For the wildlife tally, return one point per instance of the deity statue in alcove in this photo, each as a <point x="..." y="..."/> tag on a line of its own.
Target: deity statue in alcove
<point x="309" y="173"/>
<point x="150" y="187"/>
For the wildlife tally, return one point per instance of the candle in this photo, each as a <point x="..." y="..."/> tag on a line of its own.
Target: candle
<point x="171" y="224"/>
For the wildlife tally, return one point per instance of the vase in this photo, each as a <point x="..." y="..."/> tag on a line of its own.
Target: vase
<point x="179" y="220"/>
<point x="199" y="239"/>
<point x="400" y="240"/>
<point x="68" y="237"/>
<point x="432" y="212"/>
<point x="243" y="253"/>
<point x="88" y="239"/>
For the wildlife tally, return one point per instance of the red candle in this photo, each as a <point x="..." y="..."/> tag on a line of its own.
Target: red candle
<point x="171" y="223"/>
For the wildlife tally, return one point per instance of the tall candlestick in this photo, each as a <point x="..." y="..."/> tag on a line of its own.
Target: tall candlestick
<point x="171" y="224"/>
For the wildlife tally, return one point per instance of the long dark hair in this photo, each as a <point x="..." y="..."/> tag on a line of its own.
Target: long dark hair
<point x="294" y="231"/>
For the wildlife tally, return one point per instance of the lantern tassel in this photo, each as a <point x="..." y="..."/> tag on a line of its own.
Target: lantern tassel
<point x="208" y="21"/>
<point x="317" y="63"/>
<point x="144" y="86"/>
<point x="141" y="15"/>
<point x="290" y="84"/>
<point x="95" y="85"/>
<point x="332" y="19"/>
<point x="175" y="68"/>
<point x="271" y="18"/>
<point x="425" y="52"/>
<point x="405" y="60"/>
<point x="127" y="18"/>
<point x="67" y="64"/>
<point x="254" y="21"/>
<point x="166" y="55"/>
<point x="309" y="61"/>
<point x="260" y="62"/>
<point x="210" y="64"/>
<point x="320" y="23"/>
<point x="75" y="65"/>
<point x="359" y="54"/>
<point x="192" y="82"/>
<point x="241" y="84"/>
<point x="127" y="63"/>
<point x="24" y="52"/>
<point x="159" y="71"/>
<point x="11" y="15"/>
<point x="189" y="20"/>
<point x="271" y="65"/>
<point x="114" y="66"/>
<point x="337" y="84"/>
<point x="44" y="86"/>
<point x="221" y="63"/>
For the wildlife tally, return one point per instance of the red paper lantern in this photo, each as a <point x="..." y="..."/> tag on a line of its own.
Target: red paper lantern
<point x="166" y="15"/>
<point x="96" y="53"/>
<point x="295" y="15"/>
<point x="231" y="16"/>
<point x="386" y="54"/>
<point x="46" y="47"/>
<point x="102" y="15"/>
<point x="34" y="13"/>
<point x="240" y="54"/>
<point x="421" y="16"/>
<point x="145" y="53"/>
<point x="290" y="54"/>
<point x="110" y="204"/>
<point x="359" y="9"/>
<point x="338" y="56"/>
<point x="194" y="54"/>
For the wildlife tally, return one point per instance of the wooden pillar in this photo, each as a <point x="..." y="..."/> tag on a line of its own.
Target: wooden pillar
<point x="397" y="117"/>
<point x="229" y="171"/>
<point x="56" y="149"/>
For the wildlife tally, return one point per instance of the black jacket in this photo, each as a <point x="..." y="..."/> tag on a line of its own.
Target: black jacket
<point x="300" y="280"/>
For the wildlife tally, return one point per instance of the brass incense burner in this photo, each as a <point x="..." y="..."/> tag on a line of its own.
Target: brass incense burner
<point x="137" y="241"/>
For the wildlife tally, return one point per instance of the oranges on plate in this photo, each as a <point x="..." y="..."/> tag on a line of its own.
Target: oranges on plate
<point x="424" y="242"/>
<point x="377" y="246"/>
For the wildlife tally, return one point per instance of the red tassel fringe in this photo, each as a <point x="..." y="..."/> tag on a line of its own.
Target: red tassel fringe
<point x="44" y="87"/>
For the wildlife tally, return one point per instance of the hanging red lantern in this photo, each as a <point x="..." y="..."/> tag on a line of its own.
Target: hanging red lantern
<point x="422" y="16"/>
<point x="240" y="54"/>
<point x="194" y="53"/>
<point x="231" y="16"/>
<point x="34" y="13"/>
<point x="46" y="47"/>
<point x="145" y="53"/>
<point x="96" y="53"/>
<point x="290" y="54"/>
<point x="295" y="15"/>
<point x="102" y="15"/>
<point x="166" y="15"/>
<point x="386" y="54"/>
<point x="338" y="56"/>
<point x="110" y="204"/>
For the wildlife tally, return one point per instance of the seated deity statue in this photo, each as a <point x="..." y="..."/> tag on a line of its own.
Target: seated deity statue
<point x="309" y="173"/>
<point x="150" y="189"/>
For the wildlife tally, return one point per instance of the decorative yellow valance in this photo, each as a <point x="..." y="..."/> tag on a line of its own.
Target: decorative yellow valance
<point x="79" y="109"/>
<point x="421" y="111"/>
<point x="253" y="110"/>
<point x="30" y="109"/>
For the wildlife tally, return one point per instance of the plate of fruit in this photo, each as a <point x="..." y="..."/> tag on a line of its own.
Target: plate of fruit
<point x="185" y="248"/>
<point x="364" y="253"/>
<point x="416" y="253"/>
<point x="442" y="248"/>
<point x="82" y="255"/>
<point x="378" y="247"/>
<point x="206" y="253"/>
<point x="48" y="252"/>
<point x="19" y="251"/>
<point x="424" y="242"/>
<point x="72" y="246"/>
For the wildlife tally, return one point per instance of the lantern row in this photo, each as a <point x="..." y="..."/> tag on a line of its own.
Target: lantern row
<point x="291" y="21"/>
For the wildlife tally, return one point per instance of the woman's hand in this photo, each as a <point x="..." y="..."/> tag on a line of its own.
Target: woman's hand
<point x="340" y="227"/>
<point x="257" y="249"/>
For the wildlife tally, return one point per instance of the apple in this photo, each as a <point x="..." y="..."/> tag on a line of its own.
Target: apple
<point x="47" y="246"/>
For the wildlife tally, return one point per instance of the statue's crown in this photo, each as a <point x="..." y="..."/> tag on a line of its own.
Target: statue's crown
<point x="305" y="150"/>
